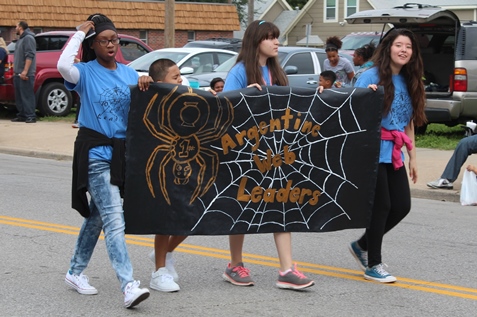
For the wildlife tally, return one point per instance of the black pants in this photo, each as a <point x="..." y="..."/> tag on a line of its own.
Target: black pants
<point x="392" y="202"/>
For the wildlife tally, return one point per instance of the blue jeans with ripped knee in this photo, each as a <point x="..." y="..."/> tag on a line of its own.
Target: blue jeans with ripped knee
<point x="107" y="215"/>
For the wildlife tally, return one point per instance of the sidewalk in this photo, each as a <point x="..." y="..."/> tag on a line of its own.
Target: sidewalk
<point x="54" y="140"/>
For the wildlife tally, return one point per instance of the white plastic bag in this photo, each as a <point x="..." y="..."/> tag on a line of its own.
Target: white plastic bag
<point x="468" y="192"/>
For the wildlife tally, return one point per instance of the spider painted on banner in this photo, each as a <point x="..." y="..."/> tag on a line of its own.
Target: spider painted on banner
<point x="185" y="122"/>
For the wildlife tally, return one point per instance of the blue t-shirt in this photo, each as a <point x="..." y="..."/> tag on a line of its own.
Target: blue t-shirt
<point x="105" y="100"/>
<point x="237" y="77"/>
<point x="401" y="109"/>
<point x="342" y="69"/>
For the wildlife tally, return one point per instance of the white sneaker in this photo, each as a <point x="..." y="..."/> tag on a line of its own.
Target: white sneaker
<point x="170" y="261"/>
<point x="133" y="295"/>
<point x="163" y="281"/>
<point x="441" y="183"/>
<point x="80" y="283"/>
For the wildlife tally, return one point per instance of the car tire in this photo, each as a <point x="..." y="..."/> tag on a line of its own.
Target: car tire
<point x="55" y="100"/>
<point x="420" y="130"/>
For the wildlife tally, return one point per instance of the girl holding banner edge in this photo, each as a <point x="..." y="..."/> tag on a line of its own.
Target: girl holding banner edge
<point x="399" y="68"/>
<point x="257" y="64"/>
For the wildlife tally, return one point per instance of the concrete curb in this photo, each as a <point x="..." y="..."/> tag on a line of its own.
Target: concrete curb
<point x="37" y="154"/>
<point x="436" y="194"/>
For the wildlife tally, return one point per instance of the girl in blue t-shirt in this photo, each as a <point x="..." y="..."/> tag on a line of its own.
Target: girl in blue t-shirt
<point x="103" y="85"/>
<point x="399" y="69"/>
<point x="257" y="65"/>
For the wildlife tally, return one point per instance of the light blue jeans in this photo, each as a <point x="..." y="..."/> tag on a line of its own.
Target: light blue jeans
<point x="106" y="214"/>
<point x="466" y="147"/>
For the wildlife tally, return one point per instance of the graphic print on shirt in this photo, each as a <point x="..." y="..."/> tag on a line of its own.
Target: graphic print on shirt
<point x="114" y="103"/>
<point x="401" y="110"/>
<point x="341" y="76"/>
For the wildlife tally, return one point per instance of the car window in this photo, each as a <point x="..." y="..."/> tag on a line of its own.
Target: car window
<point x="321" y="58"/>
<point x="470" y="51"/>
<point x="222" y="57"/>
<point x="50" y="43"/>
<point x="303" y="62"/>
<point x="131" y="50"/>
<point x="227" y="65"/>
<point x="352" y="42"/>
<point x="11" y="47"/>
<point x="201" y="63"/>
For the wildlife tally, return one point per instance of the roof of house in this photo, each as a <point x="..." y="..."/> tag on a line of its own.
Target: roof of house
<point x="125" y="14"/>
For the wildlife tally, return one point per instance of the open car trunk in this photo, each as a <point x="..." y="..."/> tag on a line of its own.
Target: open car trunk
<point x="436" y="30"/>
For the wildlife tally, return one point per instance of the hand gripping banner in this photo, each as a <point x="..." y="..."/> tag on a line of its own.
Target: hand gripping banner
<point x="250" y="161"/>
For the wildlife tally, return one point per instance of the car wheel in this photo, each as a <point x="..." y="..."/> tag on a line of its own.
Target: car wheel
<point x="420" y="130"/>
<point x="55" y="100"/>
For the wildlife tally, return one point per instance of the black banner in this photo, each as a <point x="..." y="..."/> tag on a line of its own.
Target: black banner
<point x="249" y="161"/>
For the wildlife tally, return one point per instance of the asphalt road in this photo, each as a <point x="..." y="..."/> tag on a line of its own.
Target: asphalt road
<point x="432" y="253"/>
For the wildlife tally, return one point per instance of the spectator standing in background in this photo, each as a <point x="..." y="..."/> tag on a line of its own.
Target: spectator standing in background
<point x="217" y="84"/>
<point x="3" y="58"/>
<point x="24" y="68"/>
<point x="466" y="147"/>
<point x="362" y="58"/>
<point x="341" y="66"/>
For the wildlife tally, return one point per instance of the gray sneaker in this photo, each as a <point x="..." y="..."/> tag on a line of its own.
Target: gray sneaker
<point x="441" y="183"/>
<point x="238" y="275"/>
<point x="294" y="279"/>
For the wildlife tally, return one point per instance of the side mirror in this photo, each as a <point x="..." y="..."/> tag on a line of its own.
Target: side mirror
<point x="187" y="70"/>
<point x="290" y="70"/>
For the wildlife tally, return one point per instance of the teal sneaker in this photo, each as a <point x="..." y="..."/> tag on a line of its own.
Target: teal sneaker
<point x="359" y="254"/>
<point x="379" y="274"/>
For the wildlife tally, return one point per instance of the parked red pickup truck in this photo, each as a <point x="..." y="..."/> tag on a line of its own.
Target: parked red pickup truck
<point x="52" y="97"/>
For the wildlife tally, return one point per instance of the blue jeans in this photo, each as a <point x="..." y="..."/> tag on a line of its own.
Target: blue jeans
<point x="466" y="147"/>
<point x="106" y="214"/>
<point x="25" y="97"/>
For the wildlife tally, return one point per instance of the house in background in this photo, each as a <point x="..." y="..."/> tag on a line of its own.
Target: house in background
<point x="277" y="11"/>
<point x="142" y="19"/>
<point x="320" y="19"/>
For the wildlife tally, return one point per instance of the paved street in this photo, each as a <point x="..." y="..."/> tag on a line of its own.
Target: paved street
<point x="432" y="253"/>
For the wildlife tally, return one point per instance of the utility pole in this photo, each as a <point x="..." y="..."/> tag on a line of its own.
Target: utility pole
<point x="169" y="29"/>
<point x="250" y="11"/>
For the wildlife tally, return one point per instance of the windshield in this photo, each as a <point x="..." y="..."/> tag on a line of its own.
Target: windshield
<point x="227" y="65"/>
<point x="352" y="42"/>
<point x="143" y="62"/>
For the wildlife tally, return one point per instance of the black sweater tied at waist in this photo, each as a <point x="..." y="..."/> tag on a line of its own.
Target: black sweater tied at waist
<point x="86" y="140"/>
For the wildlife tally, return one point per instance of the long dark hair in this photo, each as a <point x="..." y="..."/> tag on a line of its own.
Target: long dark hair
<point x="413" y="73"/>
<point x="88" y="52"/>
<point x="255" y="33"/>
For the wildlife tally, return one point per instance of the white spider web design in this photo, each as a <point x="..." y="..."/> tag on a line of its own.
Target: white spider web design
<point x="315" y="165"/>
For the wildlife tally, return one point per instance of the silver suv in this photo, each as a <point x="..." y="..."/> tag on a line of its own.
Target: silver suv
<point x="449" y="52"/>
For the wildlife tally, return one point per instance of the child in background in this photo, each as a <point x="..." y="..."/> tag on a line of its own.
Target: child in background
<point x="164" y="278"/>
<point x="362" y="58"/>
<point x="327" y="79"/>
<point x="257" y="64"/>
<point x="217" y="84"/>
<point x="341" y="66"/>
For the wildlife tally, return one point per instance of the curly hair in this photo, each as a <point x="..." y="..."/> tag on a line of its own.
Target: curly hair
<point x="413" y="72"/>
<point x="333" y="43"/>
<point x="255" y="33"/>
